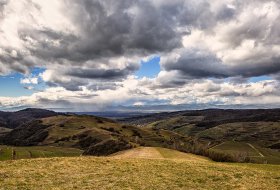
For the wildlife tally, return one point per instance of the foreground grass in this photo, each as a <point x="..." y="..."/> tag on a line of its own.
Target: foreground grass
<point x="135" y="173"/>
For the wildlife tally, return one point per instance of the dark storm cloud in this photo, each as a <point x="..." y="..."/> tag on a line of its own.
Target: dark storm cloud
<point x="266" y="66"/>
<point x="99" y="73"/>
<point x="104" y="30"/>
<point x="107" y="30"/>
<point x="74" y="81"/>
<point x="12" y="60"/>
<point x="251" y="39"/>
<point x="113" y="28"/>
<point x="46" y="47"/>
<point x="276" y="76"/>
<point x="198" y="64"/>
<point x="204" y="64"/>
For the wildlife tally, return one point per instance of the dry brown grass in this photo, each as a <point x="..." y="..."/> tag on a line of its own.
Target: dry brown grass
<point x="140" y="152"/>
<point x="168" y="172"/>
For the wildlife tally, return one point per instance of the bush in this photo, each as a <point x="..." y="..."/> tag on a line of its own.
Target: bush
<point x="107" y="147"/>
<point x="136" y="133"/>
<point x="203" y="150"/>
<point x="219" y="156"/>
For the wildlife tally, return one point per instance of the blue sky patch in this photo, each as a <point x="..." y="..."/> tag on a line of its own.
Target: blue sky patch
<point x="149" y="68"/>
<point x="260" y="78"/>
<point x="10" y="85"/>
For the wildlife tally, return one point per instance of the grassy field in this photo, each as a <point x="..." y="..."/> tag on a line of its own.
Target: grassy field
<point x="165" y="169"/>
<point x="252" y="139"/>
<point x="256" y="153"/>
<point x="181" y="125"/>
<point x="14" y="153"/>
<point x="263" y="132"/>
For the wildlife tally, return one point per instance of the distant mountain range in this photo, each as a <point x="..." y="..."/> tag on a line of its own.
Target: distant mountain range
<point x="210" y="117"/>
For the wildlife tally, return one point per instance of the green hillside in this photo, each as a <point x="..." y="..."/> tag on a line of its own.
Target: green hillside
<point x="232" y="132"/>
<point x="91" y="135"/>
<point x="159" y="170"/>
<point x="222" y="135"/>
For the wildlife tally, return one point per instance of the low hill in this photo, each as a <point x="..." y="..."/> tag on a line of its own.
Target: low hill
<point x="162" y="170"/>
<point x="95" y="135"/>
<point x="13" y="120"/>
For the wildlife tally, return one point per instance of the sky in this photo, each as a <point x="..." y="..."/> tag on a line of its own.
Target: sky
<point x="104" y="55"/>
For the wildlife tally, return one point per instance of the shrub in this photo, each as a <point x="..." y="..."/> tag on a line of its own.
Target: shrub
<point x="107" y="147"/>
<point x="203" y="150"/>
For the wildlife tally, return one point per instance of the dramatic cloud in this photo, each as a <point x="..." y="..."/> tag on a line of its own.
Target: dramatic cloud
<point x="98" y="32"/>
<point x="245" y="44"/>
<point x="89" y="50"/>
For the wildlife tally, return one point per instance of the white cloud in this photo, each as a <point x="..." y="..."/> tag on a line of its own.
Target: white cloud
<point x="139" y="91"/>
<point x="138" y="104"/>
<point x="33" y="80"/>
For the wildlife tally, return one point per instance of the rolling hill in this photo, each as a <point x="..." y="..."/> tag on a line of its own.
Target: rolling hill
<point x="13" y="120"/>
<point x="213" y="127"/>
<point x="93" y="135"/>
<point x="222" y="135"/>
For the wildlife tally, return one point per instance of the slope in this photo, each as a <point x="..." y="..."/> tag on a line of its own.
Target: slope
<point x="212" y="127"/>
<point x="136" y="173"/>
<point x="95" y="135"/>
<point x="13" y="120"/>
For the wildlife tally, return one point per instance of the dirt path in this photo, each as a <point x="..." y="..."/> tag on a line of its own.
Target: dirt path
<point x="141" y="152"/>
<point x="261" y="155"/>
<point x="217" y="145"/>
